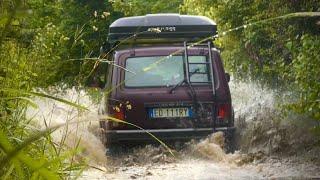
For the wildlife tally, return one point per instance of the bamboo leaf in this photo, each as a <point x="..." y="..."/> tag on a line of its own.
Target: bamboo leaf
<point x="59" y="99"/>
<point x="30" y="102"/>
<point x="15" y="153"/>
<point x="44" y="96"/>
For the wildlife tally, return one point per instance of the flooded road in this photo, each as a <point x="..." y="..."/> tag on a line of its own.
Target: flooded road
<point x="202" y="166"/>
<point x="186" y="169"/>
<point x="269" y="148"/>
<point x="202" y="160"/>
<point x="202" y="169"/>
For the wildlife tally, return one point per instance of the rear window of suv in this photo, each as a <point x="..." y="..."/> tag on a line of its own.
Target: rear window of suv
<point x="156" y="71"/>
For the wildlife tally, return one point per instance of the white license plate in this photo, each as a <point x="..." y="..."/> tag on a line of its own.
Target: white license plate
<point x="169" y="112"/>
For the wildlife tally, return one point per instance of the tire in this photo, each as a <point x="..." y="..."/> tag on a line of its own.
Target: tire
<point x="114" y="149"/>
<point x="230" y="137"/>
<point x="230" y="142"/>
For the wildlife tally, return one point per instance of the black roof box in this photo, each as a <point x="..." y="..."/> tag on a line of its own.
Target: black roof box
<point x="161" y="28"/>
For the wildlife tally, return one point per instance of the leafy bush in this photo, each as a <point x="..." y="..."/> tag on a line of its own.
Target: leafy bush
<point x="25" y="152"/>
<point x="141" y="7"/>
<point x="306" y="75"/>
<point x="280" y="53"/>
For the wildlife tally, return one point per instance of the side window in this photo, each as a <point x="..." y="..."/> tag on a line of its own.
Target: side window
<point x="108" y="76"/>
<point x="201" y="72"/>
<point x="97" y="78"/>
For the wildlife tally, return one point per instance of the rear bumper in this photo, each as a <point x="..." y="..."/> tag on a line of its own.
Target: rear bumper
<point x="115" y="136"/>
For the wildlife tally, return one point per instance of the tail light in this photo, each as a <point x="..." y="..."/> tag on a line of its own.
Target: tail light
<point x="224" y="112"/>
<point x="118" y="113"/>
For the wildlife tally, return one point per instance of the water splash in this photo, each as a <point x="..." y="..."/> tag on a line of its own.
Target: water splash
<point x="83" y="134"/>
<point x="257" y="116"/>
<point x="250" y="99"/>
<point x="257" y="121"/>
<point x="211" y="148"/>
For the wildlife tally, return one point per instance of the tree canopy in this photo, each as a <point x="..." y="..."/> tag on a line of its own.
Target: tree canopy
<point x="44" y="43"/>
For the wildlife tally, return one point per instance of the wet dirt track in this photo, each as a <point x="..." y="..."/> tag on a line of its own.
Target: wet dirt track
<point x="187" y="169"/>
<point x="260" y="139"/>
<point x="206" y="169"/>
<point x="203" y="159"/>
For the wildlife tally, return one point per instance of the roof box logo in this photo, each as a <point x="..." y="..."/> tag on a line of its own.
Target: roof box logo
<point x="162" y="29"/>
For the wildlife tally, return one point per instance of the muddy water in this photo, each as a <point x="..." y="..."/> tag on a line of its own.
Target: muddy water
<point x="81" y="127"/>
<point x="255" y="110"/>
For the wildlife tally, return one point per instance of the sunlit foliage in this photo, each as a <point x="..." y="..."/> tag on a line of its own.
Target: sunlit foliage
<point x="283" y="53"/>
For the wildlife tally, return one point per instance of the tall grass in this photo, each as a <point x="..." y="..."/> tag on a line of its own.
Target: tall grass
<point x="28" y="152"/>
<point x="25" y="151"/>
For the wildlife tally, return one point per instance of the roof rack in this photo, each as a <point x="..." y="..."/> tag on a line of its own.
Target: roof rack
<point x="159" y="28"/>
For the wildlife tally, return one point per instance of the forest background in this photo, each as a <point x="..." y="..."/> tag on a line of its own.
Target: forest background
<point x="47" y="43"/>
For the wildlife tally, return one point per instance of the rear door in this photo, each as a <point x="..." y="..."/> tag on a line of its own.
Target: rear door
<point x="146" y="81"/>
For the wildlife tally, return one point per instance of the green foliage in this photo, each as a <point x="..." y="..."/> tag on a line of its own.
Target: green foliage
<point x="31" y="154"/>
<point x="306" y="75"/>
<point x="22" y="157"/>
<point x="16" y="157"/>
<point x="47" y="42"/>
<point x="86" y="24"/>
<point x="280" y="53"/>
<point x="55" y="32"/>
<point x="141" y="7"/>
<point x="29" y="58"/>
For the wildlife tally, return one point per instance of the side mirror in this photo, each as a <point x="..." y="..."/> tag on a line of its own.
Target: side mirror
<point x="105" y="48"/>
<point x="95" y="82"/>
<point x="228" y="77"/>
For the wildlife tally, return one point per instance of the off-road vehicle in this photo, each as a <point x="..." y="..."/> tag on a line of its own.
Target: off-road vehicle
<point x="167" y="78"/>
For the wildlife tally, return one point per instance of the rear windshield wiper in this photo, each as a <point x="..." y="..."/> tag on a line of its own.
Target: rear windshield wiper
<point x="183" y="81"/>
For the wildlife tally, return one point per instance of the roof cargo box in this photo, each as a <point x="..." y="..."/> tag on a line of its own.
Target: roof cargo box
<point x="161" y="28"/>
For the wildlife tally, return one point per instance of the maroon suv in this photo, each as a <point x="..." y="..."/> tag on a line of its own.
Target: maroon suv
<point x="166" y="78"/>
